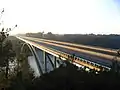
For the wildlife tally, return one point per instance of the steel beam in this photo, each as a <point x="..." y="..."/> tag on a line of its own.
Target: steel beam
<point x="45" y="61"/>
<point x="37" y="60"/>
<point x="47" y="55"/>
<point x="55" y="62"/>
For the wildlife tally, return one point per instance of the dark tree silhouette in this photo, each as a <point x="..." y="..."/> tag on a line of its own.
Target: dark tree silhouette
<point x="6" y="53"/>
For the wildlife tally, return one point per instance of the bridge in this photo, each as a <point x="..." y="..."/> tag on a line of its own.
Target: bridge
<point x="50" y="54"/>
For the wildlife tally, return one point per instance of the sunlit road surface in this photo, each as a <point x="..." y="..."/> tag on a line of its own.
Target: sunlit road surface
<point x="114" y="51"/>
<point x="110" y="57"/>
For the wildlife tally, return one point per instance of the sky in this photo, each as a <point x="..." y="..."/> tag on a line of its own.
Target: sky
<point x="62" y="16"/>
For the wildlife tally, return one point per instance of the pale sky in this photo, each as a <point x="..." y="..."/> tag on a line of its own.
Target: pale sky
<point x="62" y="16"/>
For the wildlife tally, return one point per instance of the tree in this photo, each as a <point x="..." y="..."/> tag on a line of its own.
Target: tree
<point x="7" y="55"/>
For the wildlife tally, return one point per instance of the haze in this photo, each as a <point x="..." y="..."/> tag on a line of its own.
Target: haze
<point x="62" y="16"/>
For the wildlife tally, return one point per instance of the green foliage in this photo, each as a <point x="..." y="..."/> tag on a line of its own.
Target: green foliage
<point x="16" y="78"/>
<point x="7" y="55"/>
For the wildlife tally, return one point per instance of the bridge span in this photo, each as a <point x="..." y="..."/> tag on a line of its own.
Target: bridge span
<point x="91" y="57"/>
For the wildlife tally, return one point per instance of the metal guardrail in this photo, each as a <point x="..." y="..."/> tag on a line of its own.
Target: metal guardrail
<point x="66" y="56"/>
<point x="81" y="59"/>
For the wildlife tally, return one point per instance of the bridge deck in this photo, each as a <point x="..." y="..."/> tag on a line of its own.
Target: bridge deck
<point x="64" y="55"/>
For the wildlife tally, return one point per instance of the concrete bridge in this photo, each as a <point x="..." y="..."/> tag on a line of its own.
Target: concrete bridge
<point x="50" y="54"/>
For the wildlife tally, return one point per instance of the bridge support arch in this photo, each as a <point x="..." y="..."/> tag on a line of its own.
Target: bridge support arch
<point x="27" y="50"/>
<point x="45" y="61"/>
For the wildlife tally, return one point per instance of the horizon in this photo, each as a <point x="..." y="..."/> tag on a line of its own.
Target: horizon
<point x="67" y="33"/>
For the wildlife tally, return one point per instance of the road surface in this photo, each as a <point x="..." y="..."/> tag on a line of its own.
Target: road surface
<point x="97" y="55"/>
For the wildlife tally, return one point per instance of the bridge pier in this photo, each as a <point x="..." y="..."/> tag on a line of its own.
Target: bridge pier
<point x="46" y="61"/>
<point x="55" y="62"/>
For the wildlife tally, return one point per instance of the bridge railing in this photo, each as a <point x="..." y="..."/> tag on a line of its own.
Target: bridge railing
<point x="66" y="55"/>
